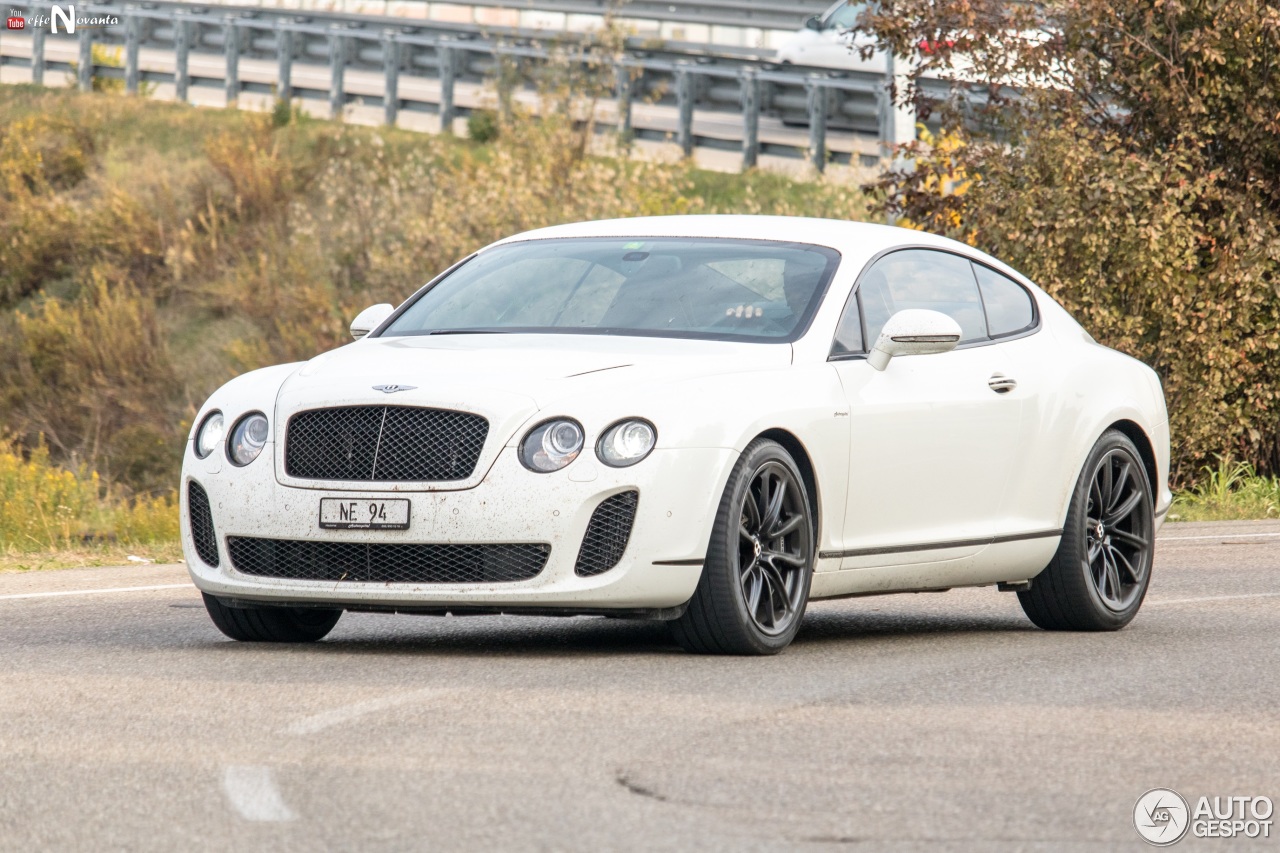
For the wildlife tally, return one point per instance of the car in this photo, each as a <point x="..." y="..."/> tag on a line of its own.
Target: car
<point x="706" y="420"/>
<point x="831" y="40"/>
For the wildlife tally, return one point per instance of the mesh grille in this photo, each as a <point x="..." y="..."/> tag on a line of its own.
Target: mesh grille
<point x="607" y="534"/>
<point x="384" y="443"/>
<point x="201" y="519"/>
<point x="386" y="563"/>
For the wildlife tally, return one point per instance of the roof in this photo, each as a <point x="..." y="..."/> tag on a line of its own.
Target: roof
<point x="853" y="239"/>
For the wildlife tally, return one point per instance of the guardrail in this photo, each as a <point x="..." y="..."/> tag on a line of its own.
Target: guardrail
<point x="764" y="14"/>
<point x="755" y="14"/>
<point x="717" y="100"/>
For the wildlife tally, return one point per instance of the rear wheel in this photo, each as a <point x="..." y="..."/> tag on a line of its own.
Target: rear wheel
<point x="755" y="581"/>
<point x="271" y="624"/>
<point x="1098" y="578"/>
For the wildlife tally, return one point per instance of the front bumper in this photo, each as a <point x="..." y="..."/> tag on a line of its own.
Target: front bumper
<point x="678" y="490"/>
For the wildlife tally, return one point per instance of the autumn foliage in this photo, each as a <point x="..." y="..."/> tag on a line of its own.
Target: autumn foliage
<point x="1124" y="154"/>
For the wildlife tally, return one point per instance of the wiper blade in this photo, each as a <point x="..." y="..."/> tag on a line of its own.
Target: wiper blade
<point x="466" y="332"/>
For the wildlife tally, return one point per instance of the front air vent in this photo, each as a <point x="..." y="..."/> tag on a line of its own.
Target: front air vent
<point x="607" y="534"/>
<point x="387" y="562"/>
<point x="384" y="444"/>
<point x="200" y="517"/>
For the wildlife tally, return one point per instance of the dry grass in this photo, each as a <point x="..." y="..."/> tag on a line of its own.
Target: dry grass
<point x="47" y="511"/>
<point x="153" y="251"/>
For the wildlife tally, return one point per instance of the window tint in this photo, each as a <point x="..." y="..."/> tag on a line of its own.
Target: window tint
<point x="1009" y="306"/>
<point x="920" y="278"/>
<point x="849" y="331"/>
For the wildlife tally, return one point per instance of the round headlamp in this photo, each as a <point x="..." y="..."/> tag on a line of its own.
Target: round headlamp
<point x="552" y="445"/>
<point x="210" y="433"/>
<point x="247" y="438"/>
<point x="626" y="443"/>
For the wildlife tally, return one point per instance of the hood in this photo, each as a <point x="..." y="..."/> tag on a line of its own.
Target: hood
<point x="511" y="371"/>
<point x="506" y="379"/>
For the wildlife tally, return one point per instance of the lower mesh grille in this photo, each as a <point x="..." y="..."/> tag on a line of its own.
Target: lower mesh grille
<point x="607" y="534"/>
<point x="201" y="518"/>
<point x="386" y="563"/>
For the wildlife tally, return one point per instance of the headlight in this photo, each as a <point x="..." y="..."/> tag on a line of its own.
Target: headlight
<point x="209" y="434"/>
<point x="626" y="443"/>
<point x="248" y="438"/>
<point x="551" y="446"/>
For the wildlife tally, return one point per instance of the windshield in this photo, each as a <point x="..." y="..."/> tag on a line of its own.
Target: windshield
<point x="843" y="15"/>
<point x="703" y="288"/>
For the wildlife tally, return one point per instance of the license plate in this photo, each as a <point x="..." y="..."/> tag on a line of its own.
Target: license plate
<point x="348" y="514"/>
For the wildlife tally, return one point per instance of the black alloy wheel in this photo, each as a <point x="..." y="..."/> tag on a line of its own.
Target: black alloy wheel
<point x="1100" y="574"/>
<point x="1118" y="530"/>
<point x="773" y="549"/>
<point x="754" y="586"/>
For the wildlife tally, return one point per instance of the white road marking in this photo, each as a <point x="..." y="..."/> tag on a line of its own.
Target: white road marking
<point x="96" y="591"/>
<point x="1220" y="536"/>
<point x="253" y="794"/>
<point x="1209" y="598"/>
<point x="326" y="719"/>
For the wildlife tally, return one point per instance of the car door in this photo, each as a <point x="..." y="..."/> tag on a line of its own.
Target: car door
<point x="932" y="437"/>
<point x="1033" y="364"/>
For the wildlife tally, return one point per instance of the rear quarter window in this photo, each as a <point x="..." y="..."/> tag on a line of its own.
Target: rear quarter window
<point x="1009" y="306"/>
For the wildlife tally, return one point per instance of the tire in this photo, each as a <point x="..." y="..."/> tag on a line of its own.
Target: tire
<point x="755" y="581"/>
<point x="1100" y="574"/>
<point x="271" y="624"/>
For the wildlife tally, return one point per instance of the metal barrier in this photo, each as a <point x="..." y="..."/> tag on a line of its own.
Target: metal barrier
<point x="757" y="14"/>
<point x="764" y="14"/>
<point x="849" y="116"/>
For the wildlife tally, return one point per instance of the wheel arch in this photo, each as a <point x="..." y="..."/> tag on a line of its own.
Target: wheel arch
<point x="796" y="448"/>
<point x="1131" y="429"/>
<point x="1146" y="450"/>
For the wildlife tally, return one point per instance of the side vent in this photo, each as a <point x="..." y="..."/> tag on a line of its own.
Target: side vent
<point x="607" y="534"/>
<point x="201" y="519"/>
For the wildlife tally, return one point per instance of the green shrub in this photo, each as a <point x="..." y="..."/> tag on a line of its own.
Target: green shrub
<point x="482" y="126"/>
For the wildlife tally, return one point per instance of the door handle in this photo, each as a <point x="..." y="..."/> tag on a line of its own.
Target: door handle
<point x="1001" y="384"/>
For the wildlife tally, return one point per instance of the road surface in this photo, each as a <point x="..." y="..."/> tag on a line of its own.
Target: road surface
<point x="939" y="721"/>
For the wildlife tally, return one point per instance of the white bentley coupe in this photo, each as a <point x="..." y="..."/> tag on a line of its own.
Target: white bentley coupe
<point x="708" y="420"/>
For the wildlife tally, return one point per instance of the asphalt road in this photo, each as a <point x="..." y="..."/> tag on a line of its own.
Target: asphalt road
<point x="895" y="723"/>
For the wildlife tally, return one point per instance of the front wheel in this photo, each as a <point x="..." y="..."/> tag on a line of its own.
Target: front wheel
<point x="271" y="624"/>
<point x="755" y="581"/>
<point x="1099" y="576"/>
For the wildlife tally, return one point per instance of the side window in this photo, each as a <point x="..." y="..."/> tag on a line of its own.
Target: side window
<point x="922" y="278"/>
<point x="1009" y="306"/>
<point x="844" y="16"/>
<point x="849" y="331"/>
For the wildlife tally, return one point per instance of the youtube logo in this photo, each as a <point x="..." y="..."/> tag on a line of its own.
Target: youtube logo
<point x="15" y="23"/>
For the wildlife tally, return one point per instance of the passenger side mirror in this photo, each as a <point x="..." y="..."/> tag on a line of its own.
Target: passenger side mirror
<point x="370" y="318"/>
<point x="914" y="331"/>
<point x="813" y="22"/>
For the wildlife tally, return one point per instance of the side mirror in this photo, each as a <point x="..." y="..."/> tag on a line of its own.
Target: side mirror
<point x="813" y="22"/>
<point x="914" y="331"/>
<point x="370" y="318"/>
